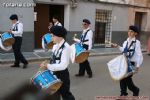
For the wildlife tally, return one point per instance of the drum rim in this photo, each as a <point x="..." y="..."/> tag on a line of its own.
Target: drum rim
<point x="35" y="76"/>
<point x="83" y="52"/>
<point x="54" y="82"/>
<point x="8" y="38"/>
<point x="5" y="33"/>
<point x="46" y="88"/>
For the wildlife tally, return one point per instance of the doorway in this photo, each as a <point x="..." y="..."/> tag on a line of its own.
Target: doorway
<point x="44" y="14"/>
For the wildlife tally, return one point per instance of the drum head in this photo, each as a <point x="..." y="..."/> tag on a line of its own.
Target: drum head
<point x="54" y="87"/>
<point x="50" y="45"/>
<point x="8" y="42"/>
<point x="82" y="57"/>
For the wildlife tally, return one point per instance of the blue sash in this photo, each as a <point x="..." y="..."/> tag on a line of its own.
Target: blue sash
<point x="129" y="54"/>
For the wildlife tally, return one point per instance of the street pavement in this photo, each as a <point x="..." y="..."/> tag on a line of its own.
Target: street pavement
<point x="83" y="88"/>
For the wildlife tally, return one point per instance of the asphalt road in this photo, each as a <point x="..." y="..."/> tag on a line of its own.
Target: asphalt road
<point x="82" y="88"/>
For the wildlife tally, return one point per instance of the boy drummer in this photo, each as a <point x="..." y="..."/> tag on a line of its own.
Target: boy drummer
<point x="132" y="49"/>
<point x="60" y="61"/>
<point x="86" y="41"/>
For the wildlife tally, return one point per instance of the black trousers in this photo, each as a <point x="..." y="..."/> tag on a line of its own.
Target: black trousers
<point x="128" y="83"/>
<point x="64" y="90"/>
<point x="85" y="66"/>
<point x="17" y="51"/>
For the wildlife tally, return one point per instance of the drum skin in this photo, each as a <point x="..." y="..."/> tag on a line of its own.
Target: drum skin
<point x="46" y="81"/>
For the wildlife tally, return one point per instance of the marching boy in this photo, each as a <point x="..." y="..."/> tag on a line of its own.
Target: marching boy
<point x="132" y="49"/>
<point x="60" y="61"/>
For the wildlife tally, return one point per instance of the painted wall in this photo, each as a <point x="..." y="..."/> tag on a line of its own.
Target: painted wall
<point x="122" y="17"/>
<point x="26" y="16"/>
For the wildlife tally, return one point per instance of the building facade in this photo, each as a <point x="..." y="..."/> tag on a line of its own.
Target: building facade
<point x="109" y="19"/>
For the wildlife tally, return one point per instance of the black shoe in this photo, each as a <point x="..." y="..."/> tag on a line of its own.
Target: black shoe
<point x="137" y="92"/>
<point x="124" y="94"/>
<point x="14" y="66"/>
<point x="90" y="76"/>
<point x="79" y="75"/>
<point x="25" y="66"/>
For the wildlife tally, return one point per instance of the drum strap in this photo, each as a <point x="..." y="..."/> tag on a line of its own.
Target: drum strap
<point x="83" y="37"/>
<point x="57" y="55"/>
<point x="129" y="52"/>
<point x="15" y="28"/>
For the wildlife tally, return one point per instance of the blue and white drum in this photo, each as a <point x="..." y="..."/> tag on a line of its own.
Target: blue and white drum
<point x="7" y="39"/>
<point x="120" y="68"/>
<point x="8" y="48"/>
<point x="47" y="41"/>
<point x="81" y="54"/>
<point x="46" y="81"/>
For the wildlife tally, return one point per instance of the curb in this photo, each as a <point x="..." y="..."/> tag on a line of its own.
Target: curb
<point x="47" y="58"/>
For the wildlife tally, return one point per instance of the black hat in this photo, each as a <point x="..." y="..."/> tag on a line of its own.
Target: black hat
<point x="55" y="17"/>
<point x="134" y="28"/>
<point x="13" y="17"/>
<point x="59" y="31"/>
<point x="86" y="21"/>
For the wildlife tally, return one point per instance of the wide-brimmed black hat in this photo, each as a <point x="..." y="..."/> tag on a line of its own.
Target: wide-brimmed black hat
<point x="59" y="31"/>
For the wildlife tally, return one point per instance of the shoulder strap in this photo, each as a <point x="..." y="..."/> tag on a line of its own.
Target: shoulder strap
<point x="128" y="50"/>
<point x="15" y="28"/>
<point x="83" y="37"/>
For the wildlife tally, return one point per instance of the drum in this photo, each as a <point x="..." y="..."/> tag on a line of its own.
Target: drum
<point x="46" y="81"/>
<point x="47" y="41"/>
<point x="80" y="53"/>
<point x="120" y="67"/>
<point x="7" y="39"/>
<point x="8" y="48"/>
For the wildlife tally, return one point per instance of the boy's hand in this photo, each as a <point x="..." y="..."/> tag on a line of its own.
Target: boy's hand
<point x="9" y="31"/>
<point x="136" y="70"/>
<point x="43" y="65"/>
<point x="114" y="45"/>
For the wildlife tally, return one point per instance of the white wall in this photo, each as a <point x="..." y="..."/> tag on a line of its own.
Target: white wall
<point x="88" y="10"/>
<point x="25" y="14"/>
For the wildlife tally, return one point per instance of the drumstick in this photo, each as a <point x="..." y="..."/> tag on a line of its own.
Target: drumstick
<point x="74" y="36"/>
<point x="108" y="42"/>
<point x="44" y="62"/>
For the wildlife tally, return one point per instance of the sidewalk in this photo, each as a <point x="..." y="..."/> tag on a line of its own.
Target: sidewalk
<point x="39" y="55"/>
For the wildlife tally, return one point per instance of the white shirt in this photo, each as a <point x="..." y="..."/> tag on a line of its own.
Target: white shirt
<point x="64" y="60"/>
<point x="57" y="24"/>
<point x="88" y="37"/>
<point x="19" y="32"/>
<point x="138" y="56"/>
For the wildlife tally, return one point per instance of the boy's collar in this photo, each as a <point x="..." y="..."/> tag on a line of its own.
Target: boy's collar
<point x="131" y="39"/>
<point x="86" y="29"/>
<point x="60" y="43"/>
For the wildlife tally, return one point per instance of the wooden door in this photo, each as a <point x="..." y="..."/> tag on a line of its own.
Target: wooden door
<point x="41" y="24"/>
